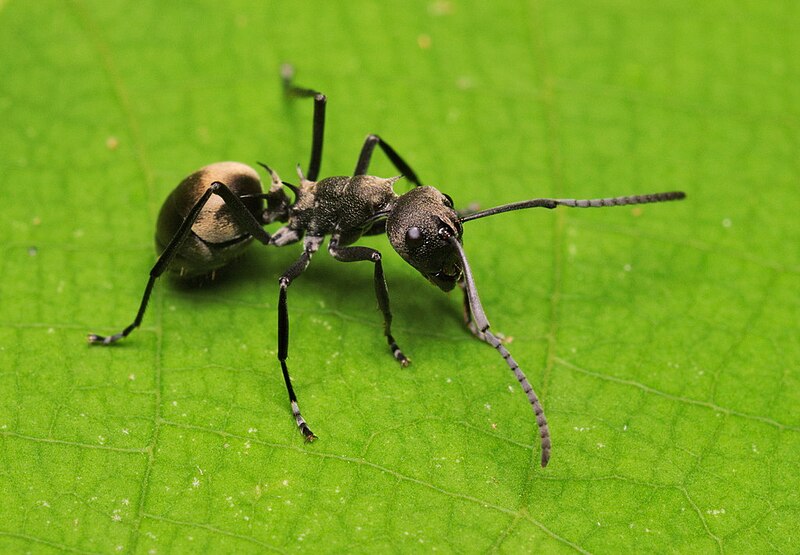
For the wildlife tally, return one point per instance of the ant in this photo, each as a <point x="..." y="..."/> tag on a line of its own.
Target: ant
<point x="216" y="212"/>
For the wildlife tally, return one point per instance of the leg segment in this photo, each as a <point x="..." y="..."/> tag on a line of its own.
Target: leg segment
<point x="366" y="156"/>
<point x="357" y="254"/>
<point x="243" y="217"/>
<point x="311" y="246"/>
<point x="320" y="101"/>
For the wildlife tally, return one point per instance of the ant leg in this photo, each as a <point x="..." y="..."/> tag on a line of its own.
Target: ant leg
<point x="366" y="156"/>
<point x="320" y="101"/>
<point x="243" y="218"/>
<point x="357" y="254"/>
<point x="311" y="244"/>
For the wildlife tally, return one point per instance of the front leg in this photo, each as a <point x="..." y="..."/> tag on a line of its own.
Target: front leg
<point x="357" y="254"/>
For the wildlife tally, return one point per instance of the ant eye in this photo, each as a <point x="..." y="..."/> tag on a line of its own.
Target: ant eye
<point x="414" y="236"/>
<point x="448" y="201"/>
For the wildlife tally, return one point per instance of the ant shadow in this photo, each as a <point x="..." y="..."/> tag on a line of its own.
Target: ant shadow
<point x="416" y="304"/>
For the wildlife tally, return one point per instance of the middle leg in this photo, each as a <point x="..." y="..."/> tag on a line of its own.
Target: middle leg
<point x="311" y="245"/>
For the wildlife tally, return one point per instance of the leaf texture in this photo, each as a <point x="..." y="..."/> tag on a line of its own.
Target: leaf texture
<point x="662" y="339"/>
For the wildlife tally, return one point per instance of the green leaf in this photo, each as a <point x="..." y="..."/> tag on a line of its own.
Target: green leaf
<point x="663" y="340"/>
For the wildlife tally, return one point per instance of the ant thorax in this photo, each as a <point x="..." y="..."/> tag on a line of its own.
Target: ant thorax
<point x="341" y="204"/>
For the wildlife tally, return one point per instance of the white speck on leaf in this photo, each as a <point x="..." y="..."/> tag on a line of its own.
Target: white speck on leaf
<point x="465" y="82"/>
<point x="441" y="8"/>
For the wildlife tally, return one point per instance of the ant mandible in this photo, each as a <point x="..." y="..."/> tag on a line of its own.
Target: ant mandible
<point x="216" y="212"/>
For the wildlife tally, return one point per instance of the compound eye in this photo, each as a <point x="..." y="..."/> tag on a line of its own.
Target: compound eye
<point x="448" y="201"/>
<point x="414" y="237"/>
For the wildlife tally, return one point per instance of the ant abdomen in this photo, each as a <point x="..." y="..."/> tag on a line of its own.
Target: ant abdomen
<point x="216" y="237"/>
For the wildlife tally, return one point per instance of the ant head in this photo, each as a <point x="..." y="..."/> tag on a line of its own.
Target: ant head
<point x="419" y="226"/>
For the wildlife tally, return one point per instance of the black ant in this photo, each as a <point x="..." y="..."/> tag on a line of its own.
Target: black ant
<point x="216" y="212"/>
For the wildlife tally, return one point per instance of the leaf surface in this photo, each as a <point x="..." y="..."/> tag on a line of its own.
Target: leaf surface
<point x="662" y="339"/>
